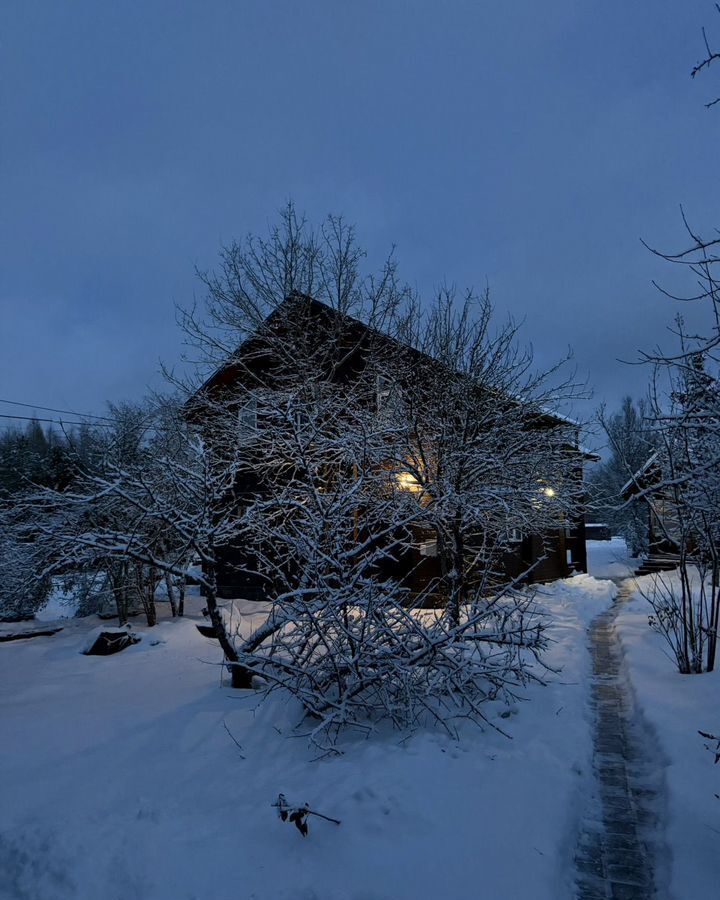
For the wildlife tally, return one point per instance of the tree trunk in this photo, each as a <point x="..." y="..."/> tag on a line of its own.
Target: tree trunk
<point x="181" y="597"/>
<point x="714" y="615"/>
<point x="150" y="611"/>
<point x="171" y="594"/>
<point x="240" y="677"/>
<point x="146" y="580"/>
<point x="117" y="574"/>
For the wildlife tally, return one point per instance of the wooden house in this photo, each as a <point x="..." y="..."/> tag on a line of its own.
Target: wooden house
<point x="644" y="487"/>
<point x="261" y="360"/>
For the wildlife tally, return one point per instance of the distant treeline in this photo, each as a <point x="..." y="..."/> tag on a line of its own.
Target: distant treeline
<point x="45" y="457"/>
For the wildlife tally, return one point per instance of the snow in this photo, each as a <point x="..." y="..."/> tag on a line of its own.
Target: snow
<point x="61" y="603"/>
<point x="610" y="559"/>
<point x="676" y="707"/>
<point x="119" y="780"/>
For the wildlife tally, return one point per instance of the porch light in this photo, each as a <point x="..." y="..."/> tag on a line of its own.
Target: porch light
<point x="549" y="492"/>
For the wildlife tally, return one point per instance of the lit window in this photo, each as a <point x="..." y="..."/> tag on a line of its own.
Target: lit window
<point x="406" y="481"/>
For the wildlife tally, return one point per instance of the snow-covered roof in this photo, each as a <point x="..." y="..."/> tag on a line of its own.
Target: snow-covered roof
<point x="640" y="472"/>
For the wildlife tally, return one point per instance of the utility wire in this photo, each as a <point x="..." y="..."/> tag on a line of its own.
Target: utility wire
<point x="56" y="421"/>
<point x="52" y="409"/>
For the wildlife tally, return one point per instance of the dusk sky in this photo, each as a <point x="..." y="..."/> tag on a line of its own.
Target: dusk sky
<point x="520" y="144"/>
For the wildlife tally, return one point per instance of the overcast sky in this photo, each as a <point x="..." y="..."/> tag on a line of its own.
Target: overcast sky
<point x="527" y="145"/>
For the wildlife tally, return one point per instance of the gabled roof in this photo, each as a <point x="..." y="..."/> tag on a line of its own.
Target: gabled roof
<point x="305" y="303"/>
<point x="225" y="372"/>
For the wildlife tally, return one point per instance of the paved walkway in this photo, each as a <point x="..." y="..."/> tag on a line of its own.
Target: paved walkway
<point x="619" y="844"/>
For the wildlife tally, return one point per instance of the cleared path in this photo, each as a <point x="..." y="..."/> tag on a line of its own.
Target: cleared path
<point x="619" y="850"/>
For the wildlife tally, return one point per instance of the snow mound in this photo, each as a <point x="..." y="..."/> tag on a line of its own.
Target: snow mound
<point x="610" y="559"/>
<point x="586" y="595"/>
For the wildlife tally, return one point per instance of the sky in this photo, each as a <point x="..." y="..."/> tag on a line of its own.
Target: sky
<point x="523" y="145"/>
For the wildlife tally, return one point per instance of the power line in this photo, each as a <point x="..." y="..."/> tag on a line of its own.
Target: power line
<point x="69" y="412"/>
<point x="55" y="421"/>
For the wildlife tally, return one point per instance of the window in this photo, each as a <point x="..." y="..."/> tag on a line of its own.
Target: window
<point x="515" y="536"/>
<point x="428" y="548"/>
<point x="383" y="390"/>
<point x="388" y="396"/>
<point x="247" y="418"/>
<point x="406" y="481"/>
<point x="304" y="409"/>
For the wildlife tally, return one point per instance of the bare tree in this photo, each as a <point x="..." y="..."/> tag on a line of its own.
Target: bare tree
<point x="684" y="400"/>
<point x="326" y="518"/>
<point x="362" y="424"/>
<point x="711" y="56"/>
<point x="631" y="442"/>
<point x="257" y="275"/>
<point x="136" y="515"/>
<point x="684" y="491"/>
<point x="482" y="453"/>
<point x="685" y="498"/>
<point x="331" y="426"/>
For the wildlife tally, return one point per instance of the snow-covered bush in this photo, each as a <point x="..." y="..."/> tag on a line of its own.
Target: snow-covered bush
<point x="354" y="665"/>
<point x="684" y="605"/>
<point x="345" y="636"/>
<point x="24" y="589"/>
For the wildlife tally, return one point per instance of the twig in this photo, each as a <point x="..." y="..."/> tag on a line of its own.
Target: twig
<point x="311" y="812"/>
<point x="234" y="740"/>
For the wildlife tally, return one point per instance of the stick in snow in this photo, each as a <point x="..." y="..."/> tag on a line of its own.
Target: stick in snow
<point x="232" y="737"/>
<point x="298" y="814"/>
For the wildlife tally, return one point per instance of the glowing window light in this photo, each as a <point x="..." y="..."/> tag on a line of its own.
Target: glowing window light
<point x="407" y="482"/>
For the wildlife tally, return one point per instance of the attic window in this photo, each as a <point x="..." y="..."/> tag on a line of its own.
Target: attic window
<point x="383" y="390"/>
<point x="247" y="416"/>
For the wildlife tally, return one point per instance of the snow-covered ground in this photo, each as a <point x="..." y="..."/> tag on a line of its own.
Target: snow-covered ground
<point x="118" y="780"/>
<point x="610" y="559"/>
<point x="61" y="604"/>
<point x="676" y="707"/>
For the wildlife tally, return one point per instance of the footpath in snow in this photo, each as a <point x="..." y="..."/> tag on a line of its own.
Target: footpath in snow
<point x="663" y="787"/>
<point x="675" y="708"/>
<point x="621" y="853"/>
<point x="118" y="780"/>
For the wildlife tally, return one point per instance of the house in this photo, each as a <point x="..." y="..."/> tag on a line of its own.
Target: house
<point x="637" y="489"/>
<point x="343" y="347"/>
<point x="644" y="487"/>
